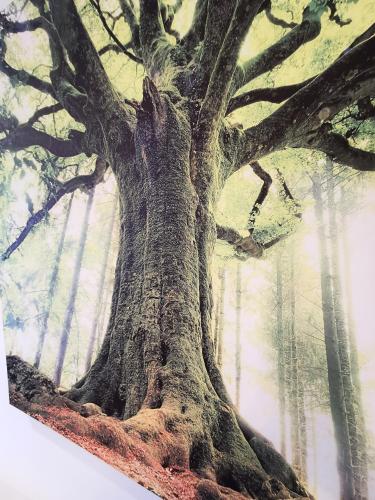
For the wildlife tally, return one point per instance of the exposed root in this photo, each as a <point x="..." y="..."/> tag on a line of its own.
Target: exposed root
<point x="195" y="453"/>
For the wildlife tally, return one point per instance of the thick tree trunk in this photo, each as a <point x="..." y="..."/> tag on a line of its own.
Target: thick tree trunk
<point x="354" y="363"/>
<point x="335" y="383"/>
<point x="64" y="339"/>
<point x="52" y="287"/>
<point x="238" y="335"/>
<point x="156" y="367"/>
<point x="280" y="342"/>
<point x="342" y="337"/>
<point x="100" y="292"/>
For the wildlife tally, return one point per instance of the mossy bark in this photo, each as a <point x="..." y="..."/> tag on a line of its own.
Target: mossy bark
<point x="156" y="368"/>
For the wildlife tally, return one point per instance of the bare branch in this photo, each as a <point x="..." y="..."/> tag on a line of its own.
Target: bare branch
<point x="244" y="246"/>
<point x="91" y="74"/>
<point x="338" y="149"/>
<point x="47" y="110"/>
<point x="274" y="95"/>
<point x="96" y="5"/>
<point x="25" y="136"/>
<point x="220" y="81"/>
<point x="197" y="29"/>
<point x="275" y="20"/>
<point x="152" y="31"/>
<point x="19" y="76"/>
<point x="361" y="38"/>
<point x="20" y="27"/>
<point x="85" y="182"/>
<point x="348" y="79"/>
<point x="267" y="181"/>
<point x="131" y="19"/>
<point x="271" y="57"/>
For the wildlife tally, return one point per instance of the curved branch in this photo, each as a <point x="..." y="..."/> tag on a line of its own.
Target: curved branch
<point x="91" y="74"/>
<point x="131" y="19"/>
<point x="86" y="182"/>
<point x="275" y="95"/>
<point x="151" y="30"/>
<point x="263" y="193"/>
<point x="348" y="79"/>
<point x="47" y="110"/>
<point x="112" y="35"/>
<point x="25" y="136"/>
<point x="271" y="57"/>
<point x="276" y="20"/>
<point x="21" y="76"/>
<point x="225" y="64"/>
<point x="113" y="47"/>
<point x="244" y="246"/>
<point x="197" y="29"/>
<point x="338" y="149"/>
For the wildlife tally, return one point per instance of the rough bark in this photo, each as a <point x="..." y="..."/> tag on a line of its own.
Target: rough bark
<point x="171" y="155"/>
<point x="100" y="293"/>
<point x="335" y="383"/>
<point x="70" y="308"/>
<point x="52" y="287"/>
<point x="219" y="323"/>
<point x="157" y="362"/>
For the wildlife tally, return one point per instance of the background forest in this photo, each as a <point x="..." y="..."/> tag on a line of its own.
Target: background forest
<point x="268" y="313"/>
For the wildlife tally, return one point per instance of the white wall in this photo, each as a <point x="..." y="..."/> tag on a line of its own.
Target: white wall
<point x="36" y="463"/>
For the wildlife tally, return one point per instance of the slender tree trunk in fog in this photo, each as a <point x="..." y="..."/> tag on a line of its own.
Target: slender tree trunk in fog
<point x="280" y="342"/>
<point x="73" y="291"/>
<point x="335" y="383"/>
<point x="52" y="287"/>
<point x="342" y="337"/>
<point x="314" y="449"/>
<point x="294" y="403"/>
<point x="100" y="293"/>
<point x="238" y="334"/>
<point x="220" y="317"/>
<point x="354" y="363"/>
<point x="302" y="428"/>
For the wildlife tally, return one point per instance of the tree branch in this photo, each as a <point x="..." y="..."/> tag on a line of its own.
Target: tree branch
<point x="215" y="100"/>
<point x="25" y="136"/>
<point x="112" y="35"/>
<point x="348" y="79"/>
<point x="267" y="181"/>
<point x="197" y="29"/>
<point x="20" y="76"/>
<point x="275" y="20"/>
<point x="131" y="19"/>
<point x="91" y="75"/>
<point x="275" y="95"/>
<point x="271" y="57"/>
<point x="338" y="149"/>
<point x="47" y="110"/>
<point x="244" y="246"/>
<point x="152" y="31"/>
<point x="86" y="182"/>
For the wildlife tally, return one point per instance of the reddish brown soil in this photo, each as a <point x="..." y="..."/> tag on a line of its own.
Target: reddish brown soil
<point x="127" y="455"/>
<point x="106" y="438"/>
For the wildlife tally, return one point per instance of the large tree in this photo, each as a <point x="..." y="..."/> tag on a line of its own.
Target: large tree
<point x="171" y="154"/>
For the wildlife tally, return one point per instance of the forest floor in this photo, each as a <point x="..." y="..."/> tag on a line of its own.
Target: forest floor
<point x="104" y="436"/>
